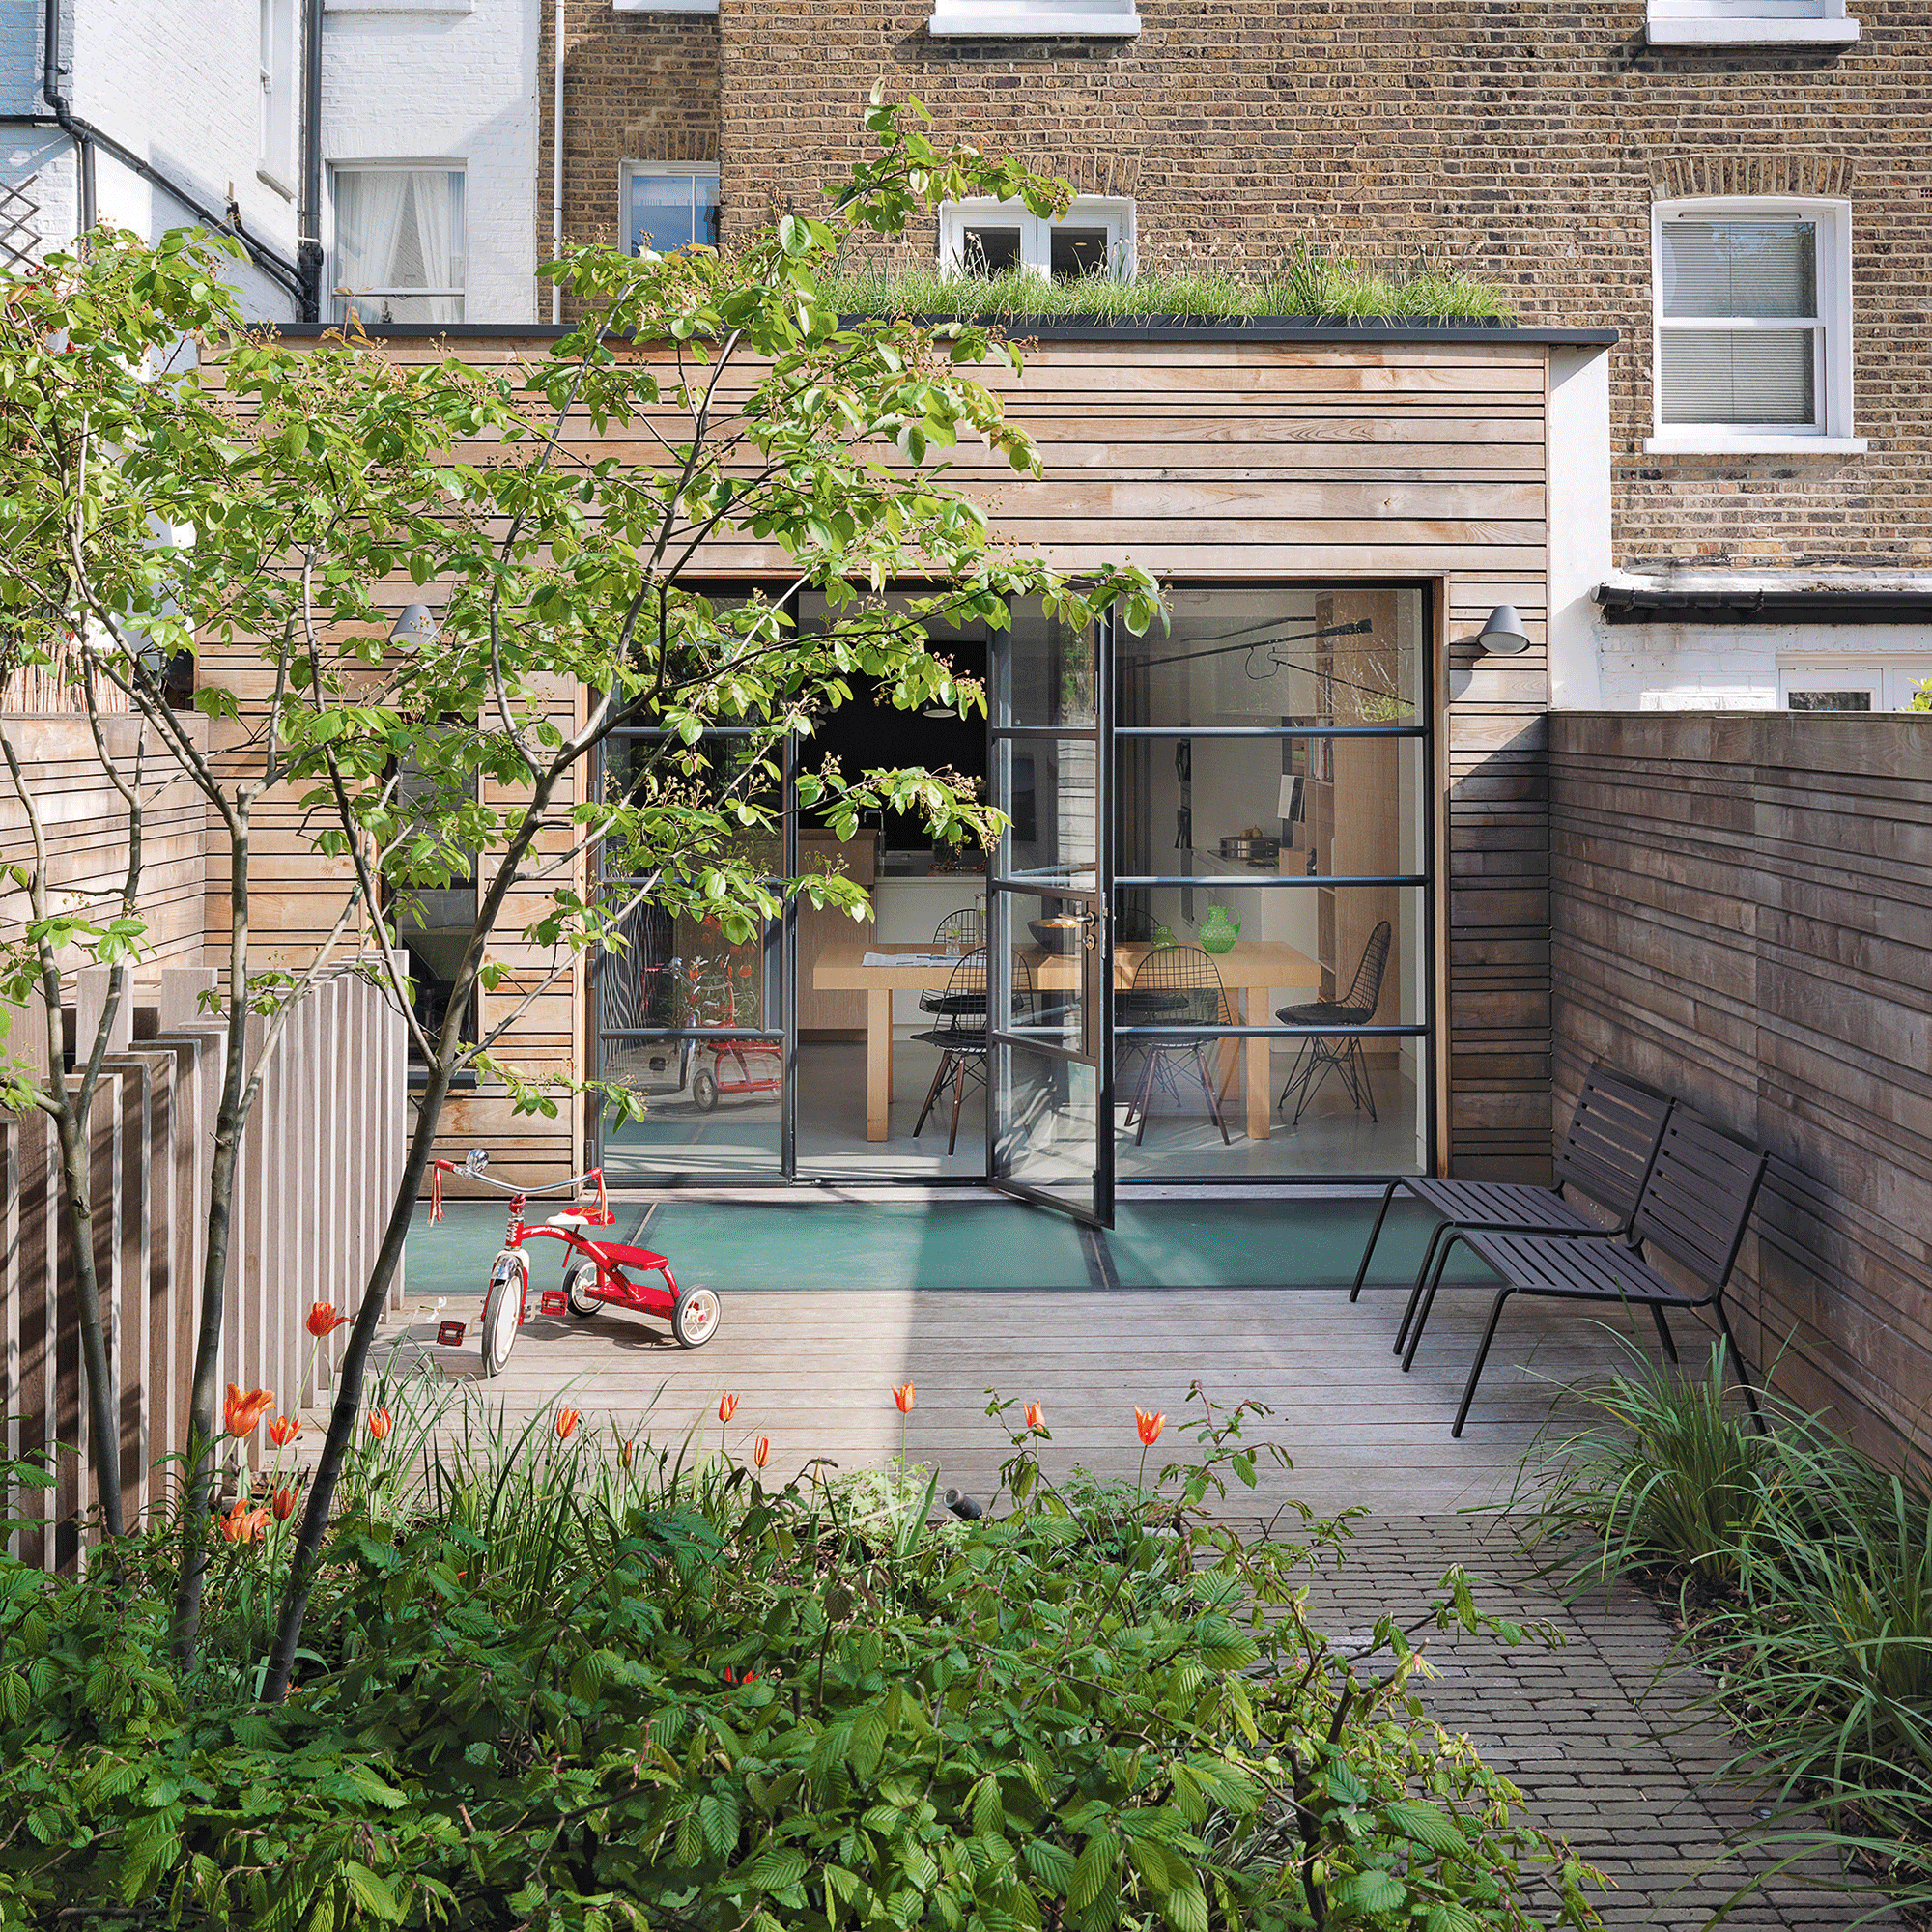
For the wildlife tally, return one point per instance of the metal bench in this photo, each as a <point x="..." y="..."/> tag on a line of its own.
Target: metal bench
<point x="1607" y="1154"/>
<point x="1695" y="1205"/>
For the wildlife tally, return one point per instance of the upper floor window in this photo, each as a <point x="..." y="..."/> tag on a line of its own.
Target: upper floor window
<point x="399" y="244"/>
<point x="1095" y="237"/>
<point x="1015" y="18"/>
<point x="1712" y="23"/>
<point x="1752" y="317"/>
<point x="276" y="61"/>
<point x="668" y="207"/>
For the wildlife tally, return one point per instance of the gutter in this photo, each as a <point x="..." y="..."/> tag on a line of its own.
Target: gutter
<point x="308" y="217"/>
<point x="87" y="137"/>
<point x="1788" y="597"/>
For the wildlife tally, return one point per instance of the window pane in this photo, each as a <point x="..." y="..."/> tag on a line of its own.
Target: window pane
<point x="671" y="212"/>
<point x="1079" y="251"/>
<point x="989" y="251"/>
<point x="1766" y="270"/>
<point x="1741" y="375"/>
<point x="399" y="228"/>
<point x="1829" y="701"/>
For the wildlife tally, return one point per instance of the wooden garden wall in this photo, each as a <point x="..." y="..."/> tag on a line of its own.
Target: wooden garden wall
<point x="1741" y="913"/>
<point x="1212" y="459"/>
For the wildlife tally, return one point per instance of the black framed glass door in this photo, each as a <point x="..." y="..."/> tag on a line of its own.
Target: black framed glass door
<point x="1049" y="1115"/>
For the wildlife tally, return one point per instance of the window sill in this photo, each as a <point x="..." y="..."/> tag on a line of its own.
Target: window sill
<point x="666" y="6"/>
<point x="398" y="6"/>
<point x="273" y="181"/>
<point x="1759" y="33"/>
<point x="1705" y="442"/>
<point x="963" y="18"/>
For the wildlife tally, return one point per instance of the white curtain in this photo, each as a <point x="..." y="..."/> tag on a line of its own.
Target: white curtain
<point x="398" y="229"/>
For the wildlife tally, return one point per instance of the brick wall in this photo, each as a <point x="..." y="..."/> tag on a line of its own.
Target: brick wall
<point x="638" y="87"/>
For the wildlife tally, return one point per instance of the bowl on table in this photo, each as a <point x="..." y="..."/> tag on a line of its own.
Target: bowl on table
<point x="1057" y="935"/>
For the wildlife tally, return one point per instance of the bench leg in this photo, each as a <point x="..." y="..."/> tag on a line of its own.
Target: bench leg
<point x="1663" y="1331"/>
<point x="1738" y="1362"/>
<point x="1375" y="1235"/>
<point x="1436" y="1237"/>
<point x="1476" y="1366"/>
<point x="1429" y="1300"/>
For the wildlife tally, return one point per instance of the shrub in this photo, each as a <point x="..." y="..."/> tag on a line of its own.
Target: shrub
<point x="710" y="1705"/>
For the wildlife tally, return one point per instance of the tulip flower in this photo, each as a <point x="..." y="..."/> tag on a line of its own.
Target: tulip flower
<point x="728" y="1407"/>
<point x="284" y="1505"/>
<point x="624" y="1452"/>
<point x="322" y="1320"/>
<point x="380" y="1423"/>
<point x="902" y="1396"/>
<point x="240" y="1414"/>
<point x="284" y="1430"/>
<point x="1150" y="1423"/>
<point x="242" y="1525"/>
<point x="567" y="1420"/>
<point x="761" y="1452"/>
<point x="1035" y="1418"/>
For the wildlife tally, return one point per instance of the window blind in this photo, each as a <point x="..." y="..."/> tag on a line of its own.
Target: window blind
<point x="1748" y="272"/>
<point x="1764" y="269"/>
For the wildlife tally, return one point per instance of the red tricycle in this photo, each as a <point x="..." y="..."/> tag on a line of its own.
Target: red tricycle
<point x="717" y="1006"/>
<point x="597" y="1274"/>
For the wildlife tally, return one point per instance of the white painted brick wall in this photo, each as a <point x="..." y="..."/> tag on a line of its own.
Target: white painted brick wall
<point x="1735" y="667"/>
<point x="446" y="84"/>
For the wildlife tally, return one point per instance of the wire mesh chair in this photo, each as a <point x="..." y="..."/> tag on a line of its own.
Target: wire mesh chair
<point x="1178" y="986"/>
<point x="961" y="1040"/>
<point x="1324" y="1054"/>
<point x="965" y="929"/>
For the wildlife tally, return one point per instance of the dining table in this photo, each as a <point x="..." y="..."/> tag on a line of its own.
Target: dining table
<point x="1250" y="970"/>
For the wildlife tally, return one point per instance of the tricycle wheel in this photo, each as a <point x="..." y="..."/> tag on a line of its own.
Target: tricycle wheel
<point x="580" y="1276"/>
<point x="503" y="1311"/>
<point x="704" y="1090"/>
<point x="693" y="1320"/>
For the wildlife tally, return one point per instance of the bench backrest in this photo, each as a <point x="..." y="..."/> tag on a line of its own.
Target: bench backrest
<point x="1612" y="1142"/>
<point x="1699" y="1196"/>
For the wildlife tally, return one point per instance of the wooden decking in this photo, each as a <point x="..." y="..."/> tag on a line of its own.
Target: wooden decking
<point x="814" y="1370"/>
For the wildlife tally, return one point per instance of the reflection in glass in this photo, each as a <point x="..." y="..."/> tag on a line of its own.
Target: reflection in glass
<point x="1048" y="941"/>
<point x="1046" y="672"/>
<point x="649" y="769"/>
<point x="1051" y="783"/>
<point x="1048" y="1108"/>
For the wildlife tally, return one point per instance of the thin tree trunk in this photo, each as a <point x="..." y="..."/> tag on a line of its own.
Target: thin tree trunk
<point x="201" y="1436"/>
<point x="77" y="1200"/>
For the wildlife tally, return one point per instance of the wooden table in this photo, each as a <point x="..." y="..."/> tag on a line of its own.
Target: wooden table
<point x="1248" y="971"/>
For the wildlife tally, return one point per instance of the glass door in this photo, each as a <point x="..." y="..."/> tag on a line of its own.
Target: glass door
<point x="1049" y="1116"/>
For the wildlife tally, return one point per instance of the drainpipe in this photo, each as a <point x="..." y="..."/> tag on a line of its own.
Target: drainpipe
<point x="555" y="169"/>
<point x="308" y="219"/>
<point x="87" y="137"/>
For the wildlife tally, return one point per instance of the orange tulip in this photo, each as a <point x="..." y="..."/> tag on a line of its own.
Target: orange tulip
<point x="624" y="1453"/>
<point x="728" y="1407"/>
<point x="1035" y="1418"/>
<point x="285" y="1505"/>
<point x="284" y="1430"/>
<point x="380" y="1423"/>
<point x="242" y="1413"/>
<point x="567" y="1420"/>
<point x="1150" y="1423"/>
<point x="761" y="1452"/>
<point x="903" y="1394"/>
<point x="322" y="1320"/>
<point x="243" y="1525"/>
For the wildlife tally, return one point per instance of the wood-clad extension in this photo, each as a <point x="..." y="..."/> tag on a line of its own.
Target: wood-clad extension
<point x="1276" y="455"/>
<point x="1741" y="913"/>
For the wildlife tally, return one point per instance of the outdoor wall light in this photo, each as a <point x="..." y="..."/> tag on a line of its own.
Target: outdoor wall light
<point x="1502" y="636"/>
<point x="416" y="626"/>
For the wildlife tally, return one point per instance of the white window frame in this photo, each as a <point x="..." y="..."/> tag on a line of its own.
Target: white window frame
<point x="274" y="127"/>
<point x="1730" y="23"/>
<point x="1831" y="433"/>
<point x="1891" y="681"/>
<point x="1030" y="19"/>
<point x="336" y="170"/>
<point x="631" y="170"/>
<point x="666" y="6"/>
<point x="1113" y="212"/>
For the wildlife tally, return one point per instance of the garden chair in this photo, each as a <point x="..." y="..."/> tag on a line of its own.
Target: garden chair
<point x="1607" y="1156"/>
<point x="1324" y="1054"/>
<point x="1177" y="987"/>
<point x="1694" y="1208"/>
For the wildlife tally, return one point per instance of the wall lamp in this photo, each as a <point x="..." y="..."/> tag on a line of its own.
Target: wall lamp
<point x="416" y="626"/>
<point x="1502" y="633"/>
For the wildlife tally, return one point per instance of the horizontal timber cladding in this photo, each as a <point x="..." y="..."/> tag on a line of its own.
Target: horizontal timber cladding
<point x="1250" y="462"/>
<point x="1741" y="913"/>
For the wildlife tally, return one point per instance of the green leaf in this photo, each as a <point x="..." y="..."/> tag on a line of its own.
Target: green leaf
<point x="1370" y="1893"/>
<point x="778" y="1868"/>
<point x="371" y="1892"/>
<point x="1427" y="1826"/>
<point x="1094" y="1870"/>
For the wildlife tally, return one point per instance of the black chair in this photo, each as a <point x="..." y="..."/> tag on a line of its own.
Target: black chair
<point x="1177" y="987"/>
<point x="1694" y="1208"/>
<point x="1607" y="1154"/>
<point x="1322" y="1054"/>
<point x="965" y="928"/>
<point x="962" y="1039"/>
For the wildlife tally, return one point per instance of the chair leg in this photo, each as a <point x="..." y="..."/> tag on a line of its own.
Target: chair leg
<point x="1208" y="1087"/>
<point x="932" y="1091"/>
<point x="1476" y="1366"/>
<point x="959" y="1095"/>
<point x="1663" y="1331"/>
<point x="1738" y="1361"/>
<point x="1146" y="1095"/>
<point x="1429" y="1300"/>
<point x="1368" y="1093"/>
<point x="1375" y="1235"/>
<point x="1296" y="1073"/>
<point x="1436" y="1237"/>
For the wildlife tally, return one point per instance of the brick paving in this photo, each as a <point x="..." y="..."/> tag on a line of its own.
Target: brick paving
<point x="1596" y="1735"/>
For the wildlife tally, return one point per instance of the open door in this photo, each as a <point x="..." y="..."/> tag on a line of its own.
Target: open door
<point x="1049" y="938"/>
